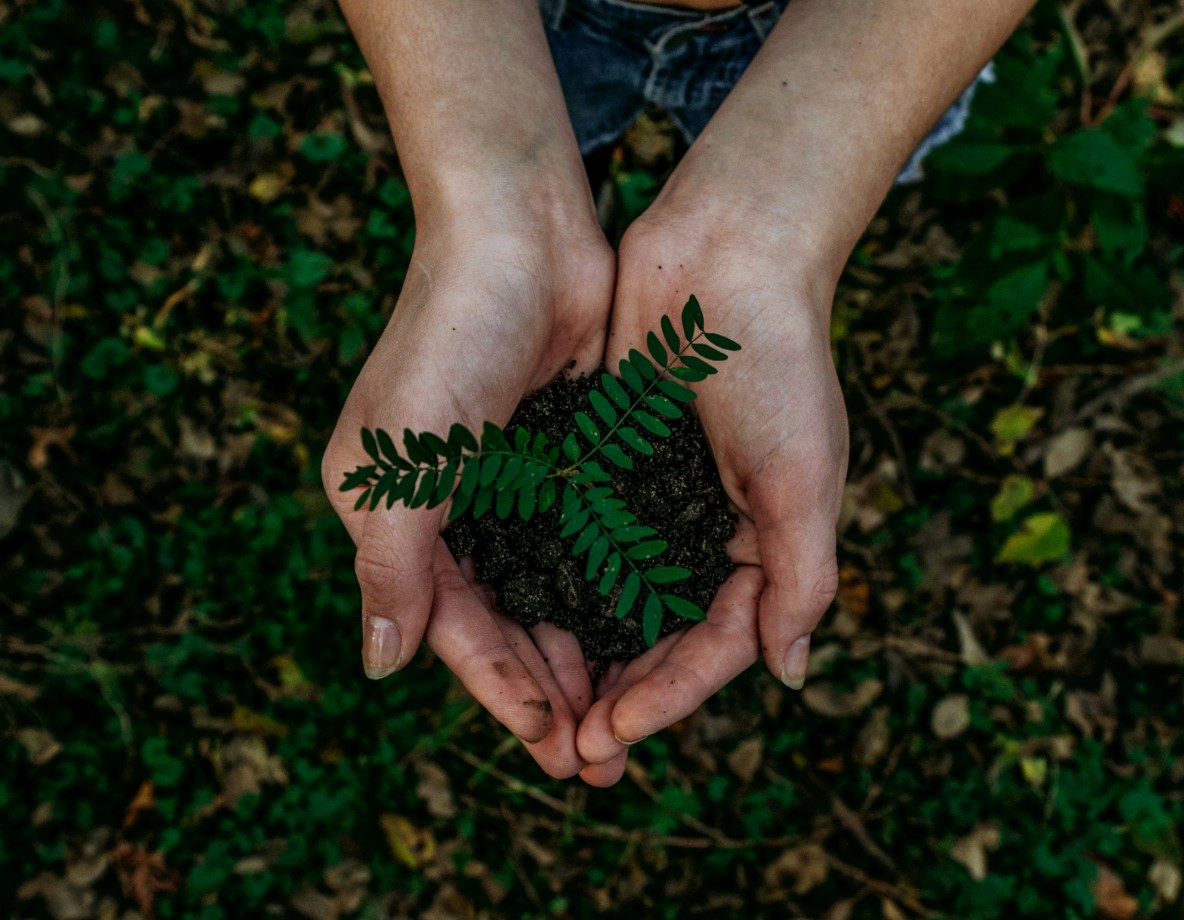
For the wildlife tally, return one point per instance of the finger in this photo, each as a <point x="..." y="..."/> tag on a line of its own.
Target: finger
<point x="464" y="635"/>
<point x="708" y="657"/>
<point x="802" y="575"/>
<point x="394" y="567"/>
<point x="556" y="751"/>
<point x="595" y="740"/>
<point x="564" y="658"/>
<point x="603" y="775"/>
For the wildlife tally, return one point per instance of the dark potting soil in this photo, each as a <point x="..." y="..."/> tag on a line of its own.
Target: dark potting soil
<point x="676" y="491"/>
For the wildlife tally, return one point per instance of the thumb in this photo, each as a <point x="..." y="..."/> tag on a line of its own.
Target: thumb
<point x="394" y="571"/>
<point x="802" y="575"/>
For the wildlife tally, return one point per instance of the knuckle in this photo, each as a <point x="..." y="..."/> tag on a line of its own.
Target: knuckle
<point x="374" y="572"/>
<point x="824" y="590"/>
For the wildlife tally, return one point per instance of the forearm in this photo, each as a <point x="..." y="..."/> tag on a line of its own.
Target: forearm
<point x="474" y="104"/>
<point x="821" y="122"/>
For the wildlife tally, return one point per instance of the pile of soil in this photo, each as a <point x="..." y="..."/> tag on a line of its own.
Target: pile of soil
<point x="676" y="491"/>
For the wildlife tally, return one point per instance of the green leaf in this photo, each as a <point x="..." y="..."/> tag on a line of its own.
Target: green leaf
<point x="631" y="437"/>
<point x="596" y="555"/>
<point x="403" y="491"/>
<point x="369" y="445"/>
<point x="613" y="520"/>
<point x="571" y="447"/>
<point x="611" y="570"/>
<point x="692" y="316"/>
<point x="667" y="574"/>
<point x="657" y="352"/>
<point x="490" y="467"/>
<point x="435" y="444"/>
<point x="1093" y="158"/>
<point x="643" y="365"/>
<point x="653" y="425"/>
<point x="646" y="550"/>
<point x="585" y="424"/>
<point x="362" y="499"/>
<point x="617" y="456"/>
<point x="527" y="502"/>
<point x="603" y="408"/>
<point x="612" y="386"/>
<point x="574" y="523"/>
<point x="683" y="608"/>
<point x="676" y="391"/>
<point x="591" y="472"/>
<point x="460" y="504"/>
<point x="509" y="474"/>
<point x="547" y="494"/>
<point x="662" y="406"/>
<point x="469" y="475"/>
<point x="1015" y="492"/>
<point x="690" y="375"/>
<point x="1042" y="538"/>
<point x="670" y="335"/>
<point x="387" y="445"/>
<point x="427" y="482"/>
<point x="698" y="364"/>
<point x="722" y="341"/>
<point x="461" y="437"/>
<point x="628" y="595"/>
<point x="504" y="504"/>
<point x="414" y="450"/>
<point x="706" y="351"/>
<point x="631" y="377"/>
<point x="586" y="538"/>
<point x="482" y="502"/>
<point x="445" y="482"/>
<point x="651" y="619"/>
<point x="358" y="477"/>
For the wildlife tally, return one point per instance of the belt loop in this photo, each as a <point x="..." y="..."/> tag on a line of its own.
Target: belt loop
<point x="763" y="17"/>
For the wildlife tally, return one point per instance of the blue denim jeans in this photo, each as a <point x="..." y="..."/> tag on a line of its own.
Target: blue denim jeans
<point x="617" y="58"/>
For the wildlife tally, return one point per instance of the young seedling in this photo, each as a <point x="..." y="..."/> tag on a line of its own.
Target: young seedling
<point x="525" y="474"/>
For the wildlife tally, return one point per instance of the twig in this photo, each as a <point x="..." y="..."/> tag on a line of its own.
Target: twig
<point x="1129" y="388"/>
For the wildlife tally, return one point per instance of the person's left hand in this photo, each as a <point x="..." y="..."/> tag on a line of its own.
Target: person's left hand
<point x="776" y="423"/>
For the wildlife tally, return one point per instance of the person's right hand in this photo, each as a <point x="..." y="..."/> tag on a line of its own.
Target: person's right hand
<point x="495" y="305"/>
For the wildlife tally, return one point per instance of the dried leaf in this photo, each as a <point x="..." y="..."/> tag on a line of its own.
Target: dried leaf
<point x="804" y="867"/>
<point x="951" y="716"/>
<point x="435" y="789"/>
<point x="414" y="847"/>
<point x="1165" y="876"/>
<point x="874" y="738"/>
<point x="971" y="850"/>
<point x="1065" y="451"/>
<point x="824" y="699"/>
<point x="745" y="760"/>
<point x="1111" y="897"/>
<point x="972" y="652"/>
<point x="39" y="744"/>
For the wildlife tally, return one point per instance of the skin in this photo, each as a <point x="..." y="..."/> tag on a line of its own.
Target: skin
<point x="757" y="221"/>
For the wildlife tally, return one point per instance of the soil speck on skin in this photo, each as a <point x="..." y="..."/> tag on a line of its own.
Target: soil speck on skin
<point x="532" y="570"/>
<point x="544" y="705"/>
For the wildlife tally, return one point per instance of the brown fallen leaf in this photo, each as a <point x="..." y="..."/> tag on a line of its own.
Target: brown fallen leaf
<point x="951" y="716"/>
<point x="824" y="699"/>
<point x="745" y="760"/>
<point x="1111" y="897"/>
<point x="143" y="875"/>
<point x="971" y="850"/>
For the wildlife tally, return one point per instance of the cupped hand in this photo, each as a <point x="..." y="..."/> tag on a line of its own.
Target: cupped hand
<point x="775" y="419"/>
<point x="490" y="311"/>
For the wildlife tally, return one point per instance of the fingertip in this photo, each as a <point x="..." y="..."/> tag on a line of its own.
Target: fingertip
<point x="603" y="775"/>
<point x="595" y="740"/>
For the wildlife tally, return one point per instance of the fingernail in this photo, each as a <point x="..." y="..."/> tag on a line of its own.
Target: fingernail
<point x="793" y="669"/>
<point x="381" y="647"/>
<point x="630" y="743"/>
